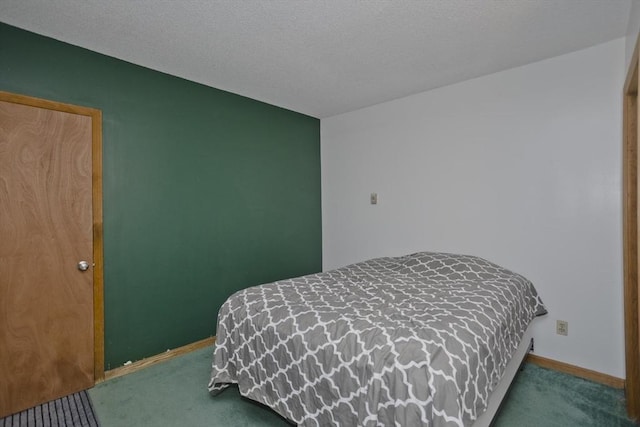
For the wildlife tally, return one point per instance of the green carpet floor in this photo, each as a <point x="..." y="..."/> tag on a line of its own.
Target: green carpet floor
<point x="174" y="393"/>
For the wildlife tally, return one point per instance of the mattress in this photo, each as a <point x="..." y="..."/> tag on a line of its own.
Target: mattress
<point x="417" y="340"/>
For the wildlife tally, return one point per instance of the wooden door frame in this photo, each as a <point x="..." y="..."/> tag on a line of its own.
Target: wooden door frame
<point x="96" y="198"/>
<point x="630" y="236"/>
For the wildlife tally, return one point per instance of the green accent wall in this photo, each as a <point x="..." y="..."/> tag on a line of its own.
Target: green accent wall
<point x="205" y="192"/>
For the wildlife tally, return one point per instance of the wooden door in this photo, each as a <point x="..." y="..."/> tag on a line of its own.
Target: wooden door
<point x="631" y="237"/>
<point x="47" y="319"/>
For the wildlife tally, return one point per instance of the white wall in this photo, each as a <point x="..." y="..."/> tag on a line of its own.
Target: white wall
<point x="521" y="167"/>
<point x="633" y="28"/>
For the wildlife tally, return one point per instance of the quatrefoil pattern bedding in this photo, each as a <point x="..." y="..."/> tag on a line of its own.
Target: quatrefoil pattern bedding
<point x="418" y="340"/>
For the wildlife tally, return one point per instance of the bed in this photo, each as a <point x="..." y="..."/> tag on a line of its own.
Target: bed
<point x="418" y="340"/>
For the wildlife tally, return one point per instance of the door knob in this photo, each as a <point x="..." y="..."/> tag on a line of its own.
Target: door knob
<point x="83" y="266"/>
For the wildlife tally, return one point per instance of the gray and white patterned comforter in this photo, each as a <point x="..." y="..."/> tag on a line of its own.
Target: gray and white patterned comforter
<point x="418" y="340"/>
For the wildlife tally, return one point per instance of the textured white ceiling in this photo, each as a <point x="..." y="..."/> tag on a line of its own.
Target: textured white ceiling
<point x="325" y="57"/>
